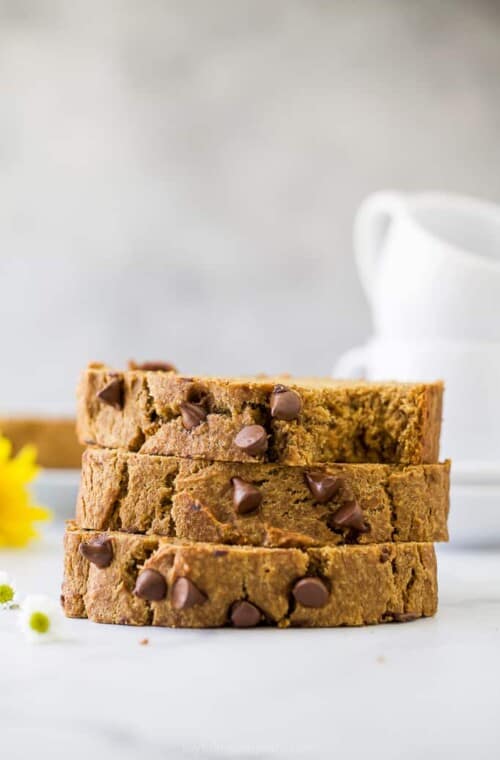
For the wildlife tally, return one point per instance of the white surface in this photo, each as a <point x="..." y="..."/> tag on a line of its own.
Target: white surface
<point x="428" y="689"/>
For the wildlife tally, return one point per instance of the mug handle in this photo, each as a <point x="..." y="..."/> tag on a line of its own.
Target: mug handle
<point x="371" y="224"/>
<point x="352" y="365"/>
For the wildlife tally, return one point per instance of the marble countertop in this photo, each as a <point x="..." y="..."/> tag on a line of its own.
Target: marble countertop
<point x="426" y="689"/>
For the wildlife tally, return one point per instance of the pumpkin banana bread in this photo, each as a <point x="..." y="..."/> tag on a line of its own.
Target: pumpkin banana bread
<point x="149" y="580"/>
<point x="262" y="504"/>
<point x="283" y="420"/>
<point x="55" y="439"/>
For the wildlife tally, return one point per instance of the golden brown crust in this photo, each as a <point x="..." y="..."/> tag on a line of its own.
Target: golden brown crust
<point x="366" y="584"/>
<point x="55" y="439"/>
<point x="338" y="421"/>
<point x="194" y="500"/>
<point x="432" y="411"/>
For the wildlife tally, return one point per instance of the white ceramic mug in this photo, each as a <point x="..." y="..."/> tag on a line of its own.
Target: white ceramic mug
<point x="430" y="265"/>
<point x="471" y="372"/>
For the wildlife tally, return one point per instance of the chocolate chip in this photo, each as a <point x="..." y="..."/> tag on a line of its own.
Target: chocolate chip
<point x="219" y="552"/>
<point x="350" y="515"/>
<point x="252" y="439"/>
<point x="112" y="393"/>
<point x="153" y="366"/>
<point x="285" y="403"/>
<point x="185" y="594"/>
<point x="322" y="485"/>
<point x="385" y="554"/>
<point x="404" y="617"/>
<point x="192" y="415"/>
<point x="311" y="592"/>
<point x="246" y="496"/>
<point x="99" y="552"/>
<point x="245" y="615"/>
<point x="151" y="585"/>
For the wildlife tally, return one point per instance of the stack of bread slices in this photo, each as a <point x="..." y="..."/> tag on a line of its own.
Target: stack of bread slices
<point x="243" y="502"/>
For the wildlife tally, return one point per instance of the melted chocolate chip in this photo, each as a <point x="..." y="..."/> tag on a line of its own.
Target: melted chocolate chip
<point x="245" y="615"/>
<point x="311" y="592"/>
<point x="219" y="552"/>
<point x="151" y="586"/>
<point x="350" y="515"/>
<point x="185" y="594"/>
<point x="246" y="496"/>
<point x="322" y="485"/>
<point x="252" y="439"/>
<point x="99" y="552"/>
<point x="112" y="393"/>
<point x="192" y="415"/>
<point x="285" y="403"/>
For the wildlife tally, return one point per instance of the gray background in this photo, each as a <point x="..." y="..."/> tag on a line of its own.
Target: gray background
<point x="178" y="179"/>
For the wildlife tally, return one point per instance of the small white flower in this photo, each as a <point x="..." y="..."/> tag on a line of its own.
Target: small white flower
<point x="7" y="591"/>
<point x="40" y="618"/>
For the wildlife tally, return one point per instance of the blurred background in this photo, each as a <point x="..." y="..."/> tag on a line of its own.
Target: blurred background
<point x="178" y="180"/>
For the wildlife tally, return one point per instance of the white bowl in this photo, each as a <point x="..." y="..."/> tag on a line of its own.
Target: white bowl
<point x="58" y="489"/>
<point x="475" y="504"/>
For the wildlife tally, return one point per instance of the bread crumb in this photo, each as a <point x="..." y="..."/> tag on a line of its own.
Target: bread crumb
<point x="144" y="642"/>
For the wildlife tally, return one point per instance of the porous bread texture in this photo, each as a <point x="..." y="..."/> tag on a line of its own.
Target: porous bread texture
<point x="194" y="500"/>
<point x="366" y="584"/>
<point x="339" y="421"/>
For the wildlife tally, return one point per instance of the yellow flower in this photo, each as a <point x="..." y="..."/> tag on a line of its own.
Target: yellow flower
<point x="17" y="510"/>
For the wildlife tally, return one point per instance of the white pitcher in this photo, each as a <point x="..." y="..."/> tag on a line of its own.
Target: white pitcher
<point x="430" y="266"/>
